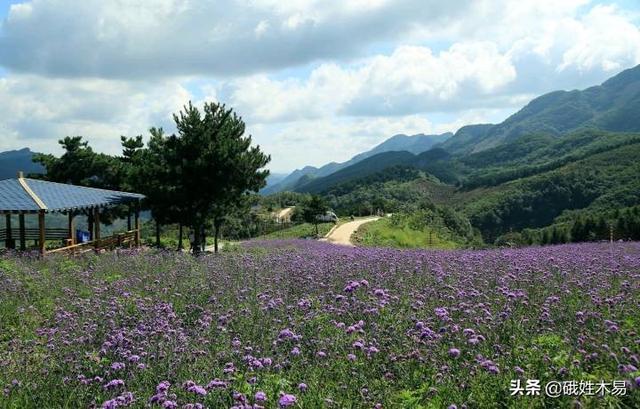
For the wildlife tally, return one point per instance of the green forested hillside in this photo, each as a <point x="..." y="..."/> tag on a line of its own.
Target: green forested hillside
<point x="361" y="169"/>
<point x="566" y="158"/>
<point x="599" y="182"/>
<point x="588" y="172"/>
<point x="612" y="106"/>
<point x="465" y="139"/>
<point x="535" y="154"/>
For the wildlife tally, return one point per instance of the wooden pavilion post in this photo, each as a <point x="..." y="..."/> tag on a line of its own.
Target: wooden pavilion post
<point x="90" y="224"/>
<point x="137" y="221"/>
<point x="9" y="239"/>
<point x="97" y="225"/>
<point x="129" y="218"/>
<point x="41" y="230"/>
<point x="23" y="241"/>
<point x="72" y="228"/>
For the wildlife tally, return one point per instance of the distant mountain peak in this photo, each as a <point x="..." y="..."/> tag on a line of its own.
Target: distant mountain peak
<point x="22" y="151"/>
<point x="414" y="144"/>
<point x="624" y="78"/>
<point x="18" y="160"/>
<point x="612" y="106"/>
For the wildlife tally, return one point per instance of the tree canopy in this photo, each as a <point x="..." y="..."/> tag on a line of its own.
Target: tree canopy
<point x="195" y="177"/>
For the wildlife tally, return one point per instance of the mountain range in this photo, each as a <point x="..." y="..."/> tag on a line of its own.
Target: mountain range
<point x="409" y="143"/>
<point x="19" y="160"/>
<point x="613" y="106"/>
<point x="564" y="156"/>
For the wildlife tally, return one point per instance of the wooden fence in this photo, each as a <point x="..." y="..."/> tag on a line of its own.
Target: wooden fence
<point x="126" y="239"/>
<point x="32" y="234"/>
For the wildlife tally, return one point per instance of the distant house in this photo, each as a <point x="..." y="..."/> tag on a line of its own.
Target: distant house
<point x="328" y="217"/>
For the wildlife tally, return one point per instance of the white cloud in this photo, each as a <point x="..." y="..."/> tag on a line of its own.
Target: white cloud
<point x="411" y="79"/>
<point x="551" y="48"/>
<point x="133" y="39"/>
<point x="606" y="40"/>
<point x="331" y="77"/>
<point x="39" y="111"/>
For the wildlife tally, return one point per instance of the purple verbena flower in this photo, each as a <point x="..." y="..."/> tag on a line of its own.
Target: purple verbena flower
<point x="287" y="400"/>
<point x="114" y="384"/>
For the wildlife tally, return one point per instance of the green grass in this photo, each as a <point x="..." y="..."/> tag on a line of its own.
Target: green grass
<point x="300" y="231"/>
<point x="382" y="233"/>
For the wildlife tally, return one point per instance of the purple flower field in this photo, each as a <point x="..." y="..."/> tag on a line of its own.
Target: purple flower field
<point x="307" y="324"/>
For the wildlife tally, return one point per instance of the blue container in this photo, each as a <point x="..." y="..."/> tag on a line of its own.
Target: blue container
<point x="82" y="236"/>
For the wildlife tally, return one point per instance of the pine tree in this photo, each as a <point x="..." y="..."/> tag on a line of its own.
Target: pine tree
<point x="215" y="166"/>
<point x="313" y="210"/>
<point x="577" y="231"/>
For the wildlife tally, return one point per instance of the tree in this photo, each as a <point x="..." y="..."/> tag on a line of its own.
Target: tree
<point x="130" y="147"/>
<point x="578" y="232"/>
<point x="80" y="165"/>
<point x="151" y="173"/>
<point x="215" y="166"/>
<point x="315" y="208"/>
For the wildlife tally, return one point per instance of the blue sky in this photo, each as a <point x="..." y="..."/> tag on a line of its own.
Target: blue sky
<point x="4" y="7"/>
<point x="315" y="80"/>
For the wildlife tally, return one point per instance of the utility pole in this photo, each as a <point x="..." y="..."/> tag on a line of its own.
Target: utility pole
<point x="611" y="232"/>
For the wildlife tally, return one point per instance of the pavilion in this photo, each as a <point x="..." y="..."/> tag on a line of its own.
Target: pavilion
<point x="24" y="196"/>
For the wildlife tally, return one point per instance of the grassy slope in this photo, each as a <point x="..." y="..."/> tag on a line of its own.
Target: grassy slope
<point x="300" y="231"/>
<point x="383" y="233"/>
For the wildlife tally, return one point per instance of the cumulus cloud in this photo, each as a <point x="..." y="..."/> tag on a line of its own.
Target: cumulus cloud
<point x="39" y="111"/>
<point x="410" y="80"/>
<point x="133" y="39"/>
<point x="606" y="40"/>
<point x="333" y="77"/>
<point x="568" y="50"/>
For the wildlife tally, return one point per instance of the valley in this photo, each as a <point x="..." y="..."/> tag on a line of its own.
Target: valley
<point x="566" y="157"/>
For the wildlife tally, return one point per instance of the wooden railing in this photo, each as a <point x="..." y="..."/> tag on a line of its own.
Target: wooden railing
<point x="34" y="234"/>
<point x="126" y="239"/>
<point x="50" y="234"/>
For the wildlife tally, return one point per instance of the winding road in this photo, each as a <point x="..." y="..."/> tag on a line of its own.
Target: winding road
<point x="285" y="214"/>
<point x="342" y="234"/>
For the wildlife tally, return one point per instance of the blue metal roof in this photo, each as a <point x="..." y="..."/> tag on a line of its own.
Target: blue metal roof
<point x="14" y="198"/>
<point x="57" y="196"/>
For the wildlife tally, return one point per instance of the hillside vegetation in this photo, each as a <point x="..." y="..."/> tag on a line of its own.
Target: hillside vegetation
<point x="299" y="231"/>
<point x="389" y="233"/>
<point x="565" y="156"/>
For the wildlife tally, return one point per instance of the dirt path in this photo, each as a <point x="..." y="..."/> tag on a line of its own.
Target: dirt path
<point x="282" y="214"/>
<point x="342" y="234"/>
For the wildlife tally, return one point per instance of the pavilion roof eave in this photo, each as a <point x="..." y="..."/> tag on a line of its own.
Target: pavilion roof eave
<point x="29" y="196"/>
<point x="67" y="209"/>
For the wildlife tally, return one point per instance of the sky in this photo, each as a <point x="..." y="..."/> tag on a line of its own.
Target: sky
<point x="315" y="80"/>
